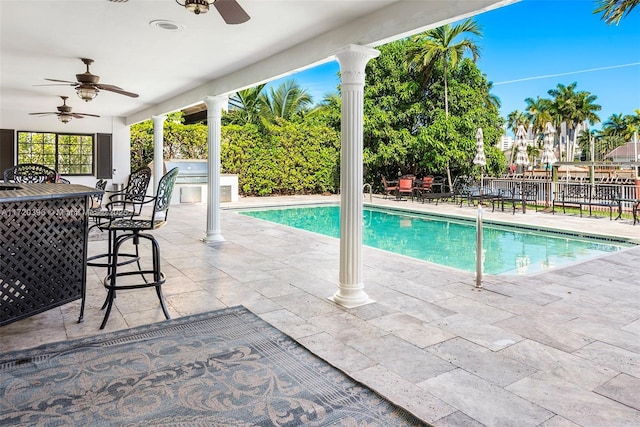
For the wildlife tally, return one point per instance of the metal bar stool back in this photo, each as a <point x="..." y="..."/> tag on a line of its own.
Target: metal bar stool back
<point x="30" y="173"/>
<point x="132" y="229"/>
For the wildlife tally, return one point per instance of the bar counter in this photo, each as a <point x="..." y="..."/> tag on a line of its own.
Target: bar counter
<point x="43" y="247"/>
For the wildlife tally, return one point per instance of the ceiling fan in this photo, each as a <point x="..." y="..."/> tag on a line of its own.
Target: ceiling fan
<point x="64" y="112"/>
<point x="88" y="85"/>
<point x="230" y="10"/>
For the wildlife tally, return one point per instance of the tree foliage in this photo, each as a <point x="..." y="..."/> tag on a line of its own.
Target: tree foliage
<point x="406" y="129"/>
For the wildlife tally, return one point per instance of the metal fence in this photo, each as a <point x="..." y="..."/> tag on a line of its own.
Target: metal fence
<point x="547" y="189"/>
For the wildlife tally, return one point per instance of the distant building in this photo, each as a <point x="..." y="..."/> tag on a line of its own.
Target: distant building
<point x="505" y="143"/>
<point x="628" y="152"/>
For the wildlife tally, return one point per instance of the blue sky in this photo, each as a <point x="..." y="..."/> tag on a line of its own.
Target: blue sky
<point x="524" y="42"/>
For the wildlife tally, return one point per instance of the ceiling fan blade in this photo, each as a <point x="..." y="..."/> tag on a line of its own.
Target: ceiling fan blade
<point x="81" y="115"/>
<point x="116" y="89"/>
<point x="231" y="11"/>
<point x="56" y="84"/>
<point x="43" y="114"/>
<point x="62" y="81"/>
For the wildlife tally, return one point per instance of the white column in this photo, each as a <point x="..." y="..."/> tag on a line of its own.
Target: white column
<point x="158" y="149"/>
<point x="353" y="61"/>
<point x="215" y="104"/>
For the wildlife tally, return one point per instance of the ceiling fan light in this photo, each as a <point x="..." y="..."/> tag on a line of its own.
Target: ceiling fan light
<point x="195" y="6"/>
<point x="87" y="92"/>
<point x="64" y="118"/>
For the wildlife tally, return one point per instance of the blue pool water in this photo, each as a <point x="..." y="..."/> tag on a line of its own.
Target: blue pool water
<point x="449" y="241"/>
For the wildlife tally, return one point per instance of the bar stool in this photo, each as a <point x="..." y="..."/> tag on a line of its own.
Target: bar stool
<point x="122" y="204"/>
<point x="132" y="229"/>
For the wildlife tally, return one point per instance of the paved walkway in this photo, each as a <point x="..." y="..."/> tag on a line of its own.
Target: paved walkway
<point x="560" y="348"/>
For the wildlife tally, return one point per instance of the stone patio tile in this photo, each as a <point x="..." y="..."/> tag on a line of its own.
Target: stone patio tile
<point x="337" y="353"/>
<point x="580" y="406"/>
<point x="411" y="329"/>
<point x="623" y="388"/>
<point x="475" y="309"/>
<point x="483" y="401"/>
<point x="272" y="288"/>
<point x="372" y="311"/>
<point x="457" y="419"/>
<point x="403" y="393"/>
<point x="488" y="336"/>
<point x="579" y="297"/>
<point x="415" y="307"/>
<point x="616" y="358"/>
<point x="565" y="366"/>
<point x="518" y="290"/>
<point x="403" y="358"/>
<point x="596" y="327"/>
<point x="346" y="327"/>
<point x="194" y="302"/>
<point x="494" y="367"/>
<point x="422" y="291"/>
<point x="558" y="421"/>
<point x="633" y="327"/>
<point x="545" y="332"/>
<point x="306" y="305"/>
<point x="289" y="323"/>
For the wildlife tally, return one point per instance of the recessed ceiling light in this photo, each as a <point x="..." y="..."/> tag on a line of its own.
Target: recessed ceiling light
<point x="163" y="24"/>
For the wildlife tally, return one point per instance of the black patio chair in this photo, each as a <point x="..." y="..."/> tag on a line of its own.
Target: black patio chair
<point x="132" y="229"/>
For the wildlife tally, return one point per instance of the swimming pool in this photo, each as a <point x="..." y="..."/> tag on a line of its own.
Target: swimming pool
<point x="450" y="241"/>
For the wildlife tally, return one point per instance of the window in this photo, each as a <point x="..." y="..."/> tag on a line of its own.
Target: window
<point x="69" y="154"/>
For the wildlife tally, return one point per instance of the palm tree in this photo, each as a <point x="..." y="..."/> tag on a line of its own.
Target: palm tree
<point x="574" y="108"/>
<point x="246" y="104"/>
<point x="616" y="125"/>
<point x="614" y="10"/>
<point x="285" y="101"/>
<point x="538" y="113"/>
<point x="439" y="45"/>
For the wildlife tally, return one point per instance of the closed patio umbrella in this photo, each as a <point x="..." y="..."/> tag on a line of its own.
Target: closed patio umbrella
<point x="548" y="156"/>
<point x="480" y="158"/>
<point x="522" y="159"/>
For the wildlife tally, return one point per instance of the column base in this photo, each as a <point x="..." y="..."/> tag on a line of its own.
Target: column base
<point x="357" y="299"/>
<point x="213" y="237"/>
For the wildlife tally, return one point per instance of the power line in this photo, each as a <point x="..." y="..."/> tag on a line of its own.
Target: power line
<point x="566" y="74"/>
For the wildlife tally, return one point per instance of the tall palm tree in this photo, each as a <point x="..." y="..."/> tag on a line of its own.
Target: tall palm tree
<point x="614" y="10"/>
<point x="285" y="101"/>
<point x="441" y="45"/>
<point x="574" y="108"/>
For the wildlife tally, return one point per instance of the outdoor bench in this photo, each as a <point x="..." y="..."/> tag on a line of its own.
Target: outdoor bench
<point x="521" y="193"/>
<point x="583" y="195"/>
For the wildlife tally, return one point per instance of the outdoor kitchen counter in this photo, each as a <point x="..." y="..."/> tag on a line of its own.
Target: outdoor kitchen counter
<point x="43" y="247"/>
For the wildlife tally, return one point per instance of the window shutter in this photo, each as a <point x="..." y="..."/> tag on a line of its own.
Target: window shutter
<point x="104" y="156"/>
<point x="7" y="149"/>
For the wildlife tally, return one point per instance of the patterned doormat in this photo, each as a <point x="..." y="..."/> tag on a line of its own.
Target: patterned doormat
<point x="221" y="368"/>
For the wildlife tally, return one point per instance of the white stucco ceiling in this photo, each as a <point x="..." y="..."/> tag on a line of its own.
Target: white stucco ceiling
<point x="172" y="70"/>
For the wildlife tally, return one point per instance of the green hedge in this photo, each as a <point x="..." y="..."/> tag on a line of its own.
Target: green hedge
<point x="281" y="158"/>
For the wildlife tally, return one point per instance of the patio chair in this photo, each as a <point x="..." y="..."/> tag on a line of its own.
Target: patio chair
<point x="405" y="186"/>
<point x="389" y="187"/>
<point x="30" y="173"/>
<point x="132" y="229"/>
